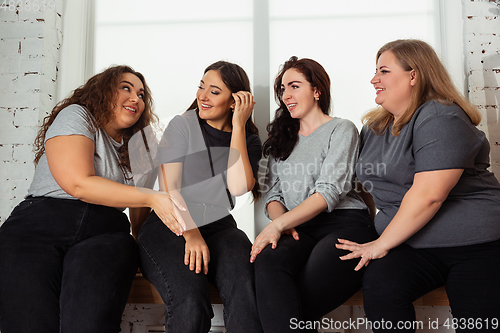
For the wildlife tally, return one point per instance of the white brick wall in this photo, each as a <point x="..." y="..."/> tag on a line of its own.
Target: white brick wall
<point x="29" y="57"/>
<point x="482" y="47"/>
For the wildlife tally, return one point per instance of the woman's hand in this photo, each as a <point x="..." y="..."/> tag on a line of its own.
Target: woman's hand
<point x="368" y="251"/>
<point x="196" y="255"/>
<point x="243" y="107"/>
<point x="270" y="235"/>
<point x="292" y="232"/>
<point x="167" y="209"/>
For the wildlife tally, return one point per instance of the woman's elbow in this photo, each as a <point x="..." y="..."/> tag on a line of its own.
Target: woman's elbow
<point x="75" y="188"/>
<point x="240" y="189"/>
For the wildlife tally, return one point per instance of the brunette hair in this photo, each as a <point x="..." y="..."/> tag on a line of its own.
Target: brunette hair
<point x="236" y="79"/>
<point x="283" y="131"/>
<point x="432" y="83"/>
<point x="98" y="96"/>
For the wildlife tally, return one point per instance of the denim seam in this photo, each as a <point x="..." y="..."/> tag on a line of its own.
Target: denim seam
<point x="82" y="221"/>
<point x="167" y="306"/>
<point x="224" y="312"/>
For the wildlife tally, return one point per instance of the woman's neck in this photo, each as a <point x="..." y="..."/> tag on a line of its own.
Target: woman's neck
<point x="116" y="135"/>
<point x="312" y="121"/>
<point x="223" y="126"/>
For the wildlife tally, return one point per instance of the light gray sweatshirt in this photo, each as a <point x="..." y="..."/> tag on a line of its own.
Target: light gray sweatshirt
<point x="323" y="162"/>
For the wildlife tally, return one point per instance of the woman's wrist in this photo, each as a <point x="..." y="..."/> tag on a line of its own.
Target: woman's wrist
<point x="191" y="234"/>
<point x="279" y="223"/>
<point x="237" y="127"/>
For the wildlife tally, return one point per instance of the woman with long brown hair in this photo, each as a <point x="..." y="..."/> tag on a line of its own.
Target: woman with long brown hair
<point x="309" y="197"/>
<point x="67" y="258"/>
<point x="438" y="204"/>
<point x="208" y="155"/>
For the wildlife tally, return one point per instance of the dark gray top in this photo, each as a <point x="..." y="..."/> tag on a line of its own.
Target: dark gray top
<point x="322" y="162"/>
<point x="76" y="120"/>
<point x="197" y="145"/>
<point x="438" y="137"/>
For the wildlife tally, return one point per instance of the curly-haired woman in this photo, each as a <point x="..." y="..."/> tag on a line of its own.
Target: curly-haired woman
<point x="67" y="258"/>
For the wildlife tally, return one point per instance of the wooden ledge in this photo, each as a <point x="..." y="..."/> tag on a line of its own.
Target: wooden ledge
<point x="143" y="292"/>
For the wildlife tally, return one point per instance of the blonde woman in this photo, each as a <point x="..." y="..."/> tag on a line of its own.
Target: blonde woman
<point x="438" y="204"/>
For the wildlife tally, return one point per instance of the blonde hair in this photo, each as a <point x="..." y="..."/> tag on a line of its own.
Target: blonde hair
<point x="432" y="83"/>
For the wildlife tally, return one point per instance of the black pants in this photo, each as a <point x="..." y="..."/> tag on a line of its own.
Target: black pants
<point x="65" y="266"/>
<point x="304" y="280"/>
<point x="471" y="275"/>
<point x="185" y="293"/>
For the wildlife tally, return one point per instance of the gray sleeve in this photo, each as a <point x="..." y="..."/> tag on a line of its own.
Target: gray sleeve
<point x="72" y="120"/>
<point x="443" y="141"/>
<point x="272" y="186"/>
<point x="174" y="144"/>
<point x="338" y="169"/>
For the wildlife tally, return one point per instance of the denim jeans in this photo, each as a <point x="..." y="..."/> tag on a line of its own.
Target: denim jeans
<point x="65" y="266"/>
<point x="305" y="279"/>
<point x="471" y="275"/>
<point x="185" y="293"/>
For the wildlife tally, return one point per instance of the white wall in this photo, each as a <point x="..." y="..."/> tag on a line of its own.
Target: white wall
<point x="29" y="55"/>
<point x="29" y="44"/>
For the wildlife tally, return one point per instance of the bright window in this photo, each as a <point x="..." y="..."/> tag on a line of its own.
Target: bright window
<point x="171" y="42"/>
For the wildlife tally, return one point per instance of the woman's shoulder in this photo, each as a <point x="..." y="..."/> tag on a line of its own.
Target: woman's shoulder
<point x="443" y="117"/>
<point x="337" y="124"/>
<point x="435" y="108"/>
<point x="253" y="138"/>
<point x="75" y="110"/>
<point x="184" y="120"/>
<point x="74" y="115"/>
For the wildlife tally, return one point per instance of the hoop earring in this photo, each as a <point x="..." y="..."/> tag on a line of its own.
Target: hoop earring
<point x="316" y="98"/>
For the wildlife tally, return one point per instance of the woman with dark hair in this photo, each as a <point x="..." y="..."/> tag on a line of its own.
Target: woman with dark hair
<point x="310" y="199"/>
<point x="208" y="155"/>
<point x="438" y="204"/>
<point x="67" y="258"/>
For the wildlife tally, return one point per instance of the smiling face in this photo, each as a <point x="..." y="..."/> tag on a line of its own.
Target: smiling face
<point x="214" y="100"/>
<point x="128" y="106"/>
<point x="393" y="84"/>
<point x="298" y="94"/>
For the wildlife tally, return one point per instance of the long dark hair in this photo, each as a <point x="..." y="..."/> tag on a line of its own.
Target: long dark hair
<point x="236" y="79"/>
<point x="98" y="95"/>
<point x="283" y="131"/>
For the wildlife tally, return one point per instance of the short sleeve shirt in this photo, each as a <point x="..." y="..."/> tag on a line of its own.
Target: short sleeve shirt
<point x="76" y="120"/>
<point x="438" y="137"/>
<point x="204" y="152"/>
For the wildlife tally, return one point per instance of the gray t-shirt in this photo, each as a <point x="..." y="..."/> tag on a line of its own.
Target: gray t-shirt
<point x="322" y="162"/>
<point x="76" y="120"/>
<point x="200" y="147"/>
<point x="438" y="137"/>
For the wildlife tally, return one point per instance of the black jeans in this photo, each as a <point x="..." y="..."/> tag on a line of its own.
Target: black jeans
<point x="65" y="266"/>
<point x="305" y="279"/>
<point x="185" y="293"/>
<point x="471" y="275"/>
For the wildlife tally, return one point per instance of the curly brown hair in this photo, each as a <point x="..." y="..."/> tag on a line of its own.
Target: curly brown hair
<point x="98" y="96"/>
